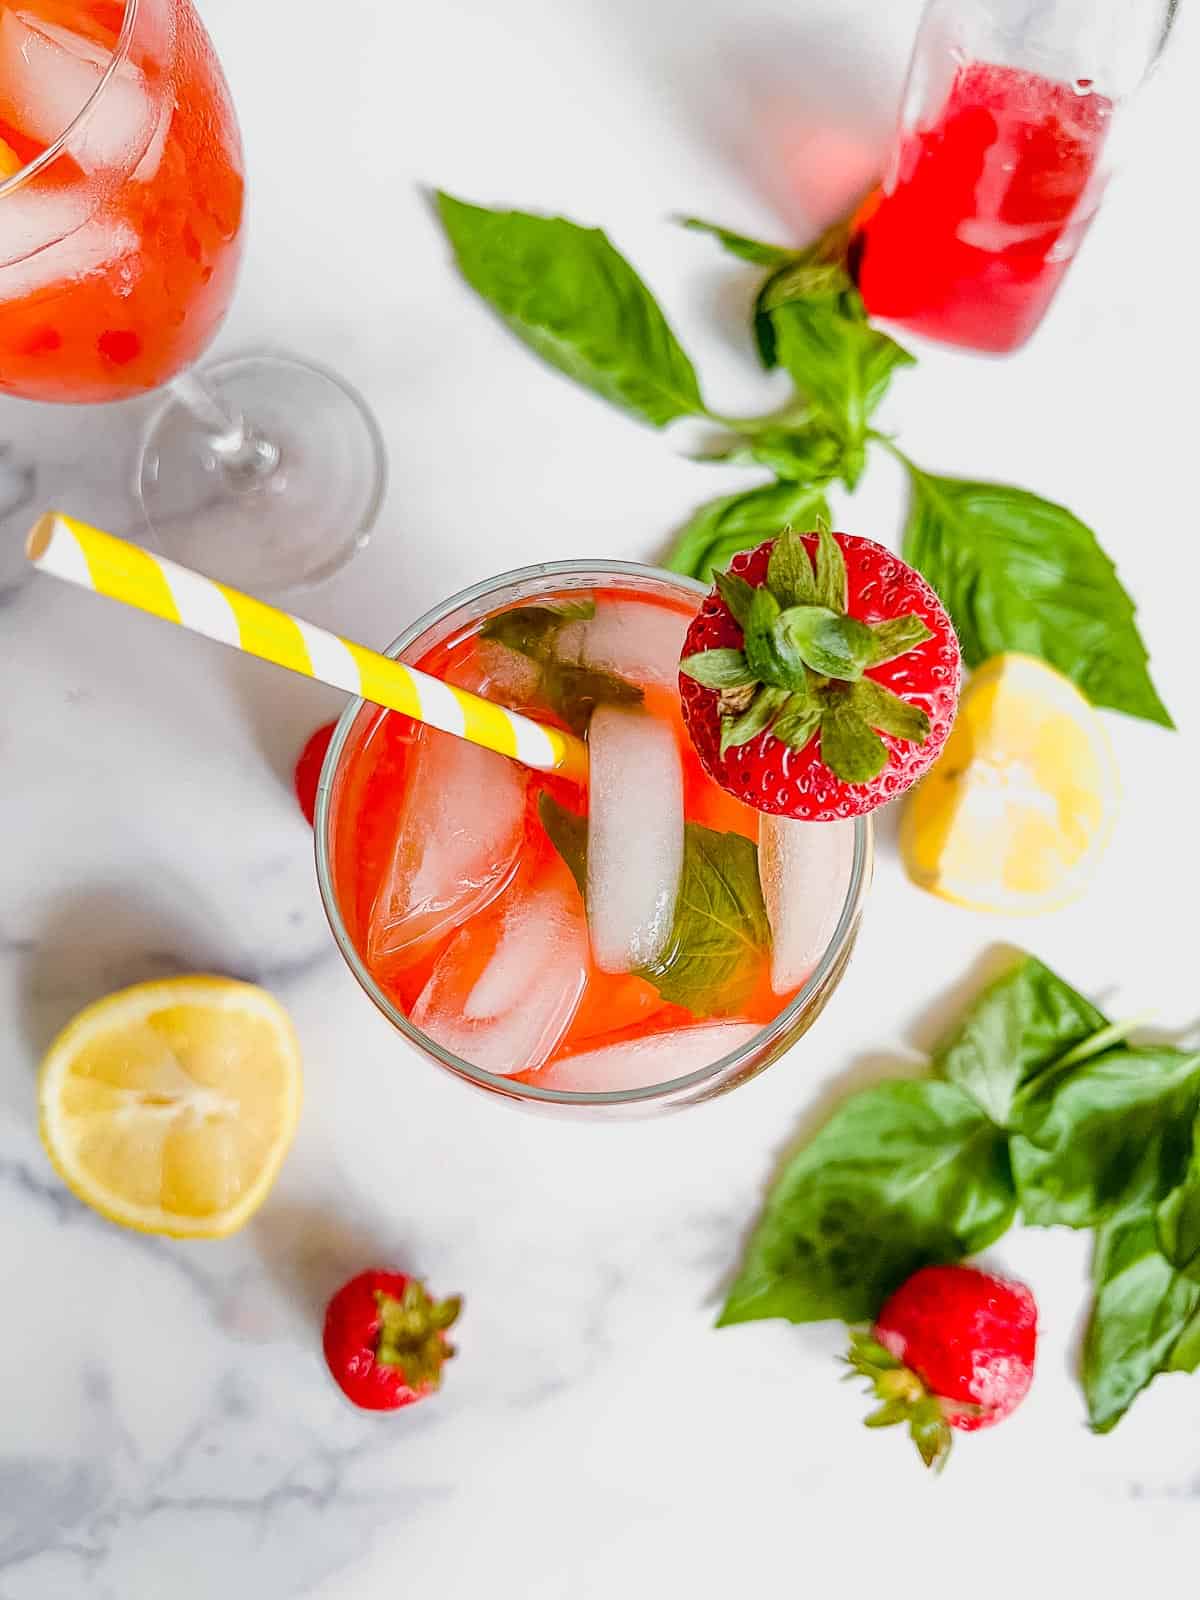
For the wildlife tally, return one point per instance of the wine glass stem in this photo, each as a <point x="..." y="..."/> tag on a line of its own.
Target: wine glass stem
<point x="244" y="454"/>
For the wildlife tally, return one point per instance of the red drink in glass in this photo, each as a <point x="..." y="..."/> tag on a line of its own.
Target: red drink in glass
<point x="120" y="238"/>
<point x="987" y="205"/>
<point x="469" y="926"/>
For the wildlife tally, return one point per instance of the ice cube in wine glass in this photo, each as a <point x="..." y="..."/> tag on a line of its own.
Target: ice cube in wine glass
<point x="804" y="869"/>
<point x="638" y="1063"/>
<point x="635" y="837"/>
<point x="505" y="989"/>
<point x="34" y="218"/>
<point x="47" y="75"/>
<point x="459" y="830"/>
<point x="99" y="245"/>
<point x="628" y="638"/>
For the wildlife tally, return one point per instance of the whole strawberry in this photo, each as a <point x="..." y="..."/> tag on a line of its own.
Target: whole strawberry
<point x="820" y="677"/>
<point x="385" y="1339"/>
<point x="953" y="1348"/>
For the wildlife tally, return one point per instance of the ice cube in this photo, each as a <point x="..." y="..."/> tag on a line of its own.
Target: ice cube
<point x="459" y="830"/>
<point x="804" y="869"/>
<point x="505" y="989"/>
<point x="638" y="1063"/>
<point x="48" y="74"/>
<point x="497" y="673"/>
<point x="100" y="244"/>
<point x="33" y="218"/>
<point x="629" y="638"/>
<point x="635" y="837"/>
<point x="148" y="166"/>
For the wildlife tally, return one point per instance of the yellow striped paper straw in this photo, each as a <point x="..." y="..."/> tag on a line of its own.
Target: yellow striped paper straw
<point x="70" y="550"/>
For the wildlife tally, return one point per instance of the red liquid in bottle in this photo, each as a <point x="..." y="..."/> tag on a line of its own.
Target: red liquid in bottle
<point x="988" y="207"/>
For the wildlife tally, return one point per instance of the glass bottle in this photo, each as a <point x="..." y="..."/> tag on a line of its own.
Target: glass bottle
<point x="1009" y="130"/>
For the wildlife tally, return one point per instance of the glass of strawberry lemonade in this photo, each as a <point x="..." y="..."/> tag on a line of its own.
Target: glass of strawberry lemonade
<point x="640" y="946"/>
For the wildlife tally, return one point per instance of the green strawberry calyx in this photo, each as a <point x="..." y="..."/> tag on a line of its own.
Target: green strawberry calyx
<point x="904" y="1399"/>
<point x="412" y="1331"/>
<point x="801" y="670"/>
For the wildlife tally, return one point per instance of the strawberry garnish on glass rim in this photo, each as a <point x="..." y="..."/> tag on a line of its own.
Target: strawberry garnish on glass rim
<point x="820" y="678"/>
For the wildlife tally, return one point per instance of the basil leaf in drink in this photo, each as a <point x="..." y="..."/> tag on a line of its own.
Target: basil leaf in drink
<point x="1021" y="1024"/>
<point x="790" y="572"/>
<point x="1142" y="1321"/>
<point x="880" y="708"/>
<point x="567" y="832"/>
<point x="578" y="303"/>
<point x="1017" y="572"/>
<point x="713" y="958"/>
<point x="722" y="528"/>
<point x="896" y="637"/>
<point x="754" y="251"/>
<point x="719" y="669"/>
<point x="755" y="719"/>
<point x="1110" y="1137"/>
<point x="832" y="645"/>
<point x="849" y="748"/>
<point x="903" y="1174"/>
<point x="568" y="687"/>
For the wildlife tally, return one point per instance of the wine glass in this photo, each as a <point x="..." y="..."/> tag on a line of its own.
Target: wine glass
<point x="121" y="210"/>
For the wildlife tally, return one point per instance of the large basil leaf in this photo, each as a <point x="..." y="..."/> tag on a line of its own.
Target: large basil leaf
<point x="1142" y="1320"/>
<point x="1111" y="1138"/>
<point x="571" y="297"/>
<point x="1179" y="1218"/>
<point x="1020" y="1025"/>
<point x="902" y="1175"/>
<point x="1017" y="572"/>
<point x="722" y="528"/>
<point x="714" y="955"/>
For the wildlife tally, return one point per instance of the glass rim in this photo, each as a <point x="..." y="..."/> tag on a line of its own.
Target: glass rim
<point x="54" y="150"/>
<point x="513" y="1089"/>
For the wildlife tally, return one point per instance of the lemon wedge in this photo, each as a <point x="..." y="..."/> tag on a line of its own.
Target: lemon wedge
<point x="169" y="1107"/>
<point x="1020" y="806"/>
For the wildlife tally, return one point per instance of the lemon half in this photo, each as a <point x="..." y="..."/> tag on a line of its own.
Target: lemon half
<point x="170" y="1106"/>
<point x="1021" y="804"/>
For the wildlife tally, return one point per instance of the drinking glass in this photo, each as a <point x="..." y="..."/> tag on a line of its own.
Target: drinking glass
<point x="1012" y="122"/>
<point x="121" y="212"/>
<point x="336" y="843"/>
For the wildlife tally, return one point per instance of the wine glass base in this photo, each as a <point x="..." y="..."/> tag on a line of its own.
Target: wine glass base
<point x="297" y="516"/>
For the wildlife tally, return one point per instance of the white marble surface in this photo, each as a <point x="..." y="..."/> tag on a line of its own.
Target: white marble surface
<point x="166" y="1427"/>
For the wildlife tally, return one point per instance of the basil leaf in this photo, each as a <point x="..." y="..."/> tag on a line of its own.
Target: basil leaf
<point x="719" y="669"/>
<point x="578" y="303"/>
<point x="810" y="456"/>
<point x="567" y="832"/>
<point x="832" y="645"/>
<point x="901" y="1175"/>
<point x="1140" y="1318"/>
<point x="830" y="567"/>
<point x="1179" y="1219"/>
<point x="1017" y="572"/>
<point x="1110" y="1138"/>
<point x="714" y="957"/>
<point x="772" y="655"/>
<point x="849" y="748"/>
<point x="737" y="244"/>
<point x="840" y="362"/>
<point x="880" y="708"/>
<point x="790" y="572"/>
<point x="1022" y="1023"/>
<point x="896" y="637"/>
<point x="757" y="718"/>
<point x="722" y="528"/>
<point x="567" y="687"/>
<point x="737" y="594"/>
<point x="1185" y="1352"/>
